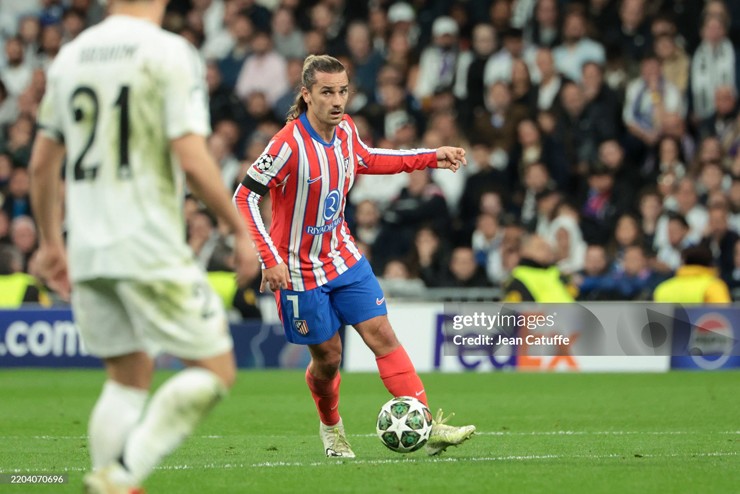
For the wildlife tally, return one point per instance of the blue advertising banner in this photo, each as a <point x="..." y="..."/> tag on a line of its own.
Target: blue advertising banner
<point x="49" y="338"/>
<point x="706" y="338"/>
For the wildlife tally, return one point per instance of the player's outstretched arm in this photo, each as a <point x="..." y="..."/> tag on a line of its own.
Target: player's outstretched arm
<point x="46" y="160"/>
<point x="204" y="180"/>
<point x="450" y="158"/>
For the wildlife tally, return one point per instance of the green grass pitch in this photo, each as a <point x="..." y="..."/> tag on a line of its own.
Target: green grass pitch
<point x="542" y="433"/>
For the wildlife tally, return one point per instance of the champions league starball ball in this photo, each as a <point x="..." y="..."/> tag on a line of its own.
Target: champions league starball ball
<point x="404" y="424"/>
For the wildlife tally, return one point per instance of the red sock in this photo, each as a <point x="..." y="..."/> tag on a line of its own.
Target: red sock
<point x="326" y="395"/>
<point x="399" y="376"/>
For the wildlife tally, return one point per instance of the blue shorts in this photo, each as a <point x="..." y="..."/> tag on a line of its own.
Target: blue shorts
<point x="314" y="316"/>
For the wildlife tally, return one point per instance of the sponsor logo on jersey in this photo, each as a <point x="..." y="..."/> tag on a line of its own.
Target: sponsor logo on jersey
<point x="320" y="230"/>
<point x="331" y="205"/>
<point x="301" y="326"/>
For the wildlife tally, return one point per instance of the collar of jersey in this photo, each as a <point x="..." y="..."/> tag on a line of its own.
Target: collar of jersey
<point x="315" y="135"/>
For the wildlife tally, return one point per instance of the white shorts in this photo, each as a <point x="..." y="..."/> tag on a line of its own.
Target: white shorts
<point x="183" y="318"/>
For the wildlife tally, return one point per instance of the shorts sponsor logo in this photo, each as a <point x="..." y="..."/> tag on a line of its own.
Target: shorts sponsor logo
<point x="301" y="326"/>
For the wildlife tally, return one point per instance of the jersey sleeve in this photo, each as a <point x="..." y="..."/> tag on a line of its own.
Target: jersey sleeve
<point x="185" y="94"/>
<point x="267" y="172"/>
<point x="271" y="168"/>
<point x="49" y="119"/>
<point x="378" y="161"/>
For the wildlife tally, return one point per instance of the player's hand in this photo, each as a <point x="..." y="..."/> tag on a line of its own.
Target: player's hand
<point x="246" y="262"/>
<point x="275" y="278"/>
<point x="450" y="158"/>
<point x="51" y="264"/>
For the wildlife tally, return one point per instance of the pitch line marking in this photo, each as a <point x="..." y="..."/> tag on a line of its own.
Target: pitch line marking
<point x="478" y="433"/>
<point x="392" y="461"/>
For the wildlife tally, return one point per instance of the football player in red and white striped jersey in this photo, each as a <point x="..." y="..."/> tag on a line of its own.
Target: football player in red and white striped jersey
<point x="321" y="279"/>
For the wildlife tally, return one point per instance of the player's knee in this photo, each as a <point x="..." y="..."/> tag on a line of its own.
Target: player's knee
<point x="330" y="362"/>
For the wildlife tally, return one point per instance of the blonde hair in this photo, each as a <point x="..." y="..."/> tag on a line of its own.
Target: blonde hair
<point x="313" y="64"/>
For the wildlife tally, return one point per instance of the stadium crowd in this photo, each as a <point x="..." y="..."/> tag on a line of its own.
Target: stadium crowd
<point x="608" y="127"/>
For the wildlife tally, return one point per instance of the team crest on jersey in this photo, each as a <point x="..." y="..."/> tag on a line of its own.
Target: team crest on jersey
<point x="263" y="163"/>
<point x="301" y="326"/>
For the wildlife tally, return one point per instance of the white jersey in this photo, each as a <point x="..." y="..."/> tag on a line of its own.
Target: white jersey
<point x="116" y="96"/>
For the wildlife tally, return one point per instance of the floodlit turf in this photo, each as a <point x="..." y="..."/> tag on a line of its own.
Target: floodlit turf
<point x="577" y="433"/>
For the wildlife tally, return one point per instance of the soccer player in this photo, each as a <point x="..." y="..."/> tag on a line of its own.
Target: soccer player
<point x="126" y="102"/>
<point x="320" y="278"/>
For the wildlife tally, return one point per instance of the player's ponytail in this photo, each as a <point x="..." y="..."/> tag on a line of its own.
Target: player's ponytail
<point x="312" y="64"/>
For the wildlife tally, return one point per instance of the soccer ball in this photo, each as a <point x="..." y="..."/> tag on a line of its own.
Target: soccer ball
<point x="404" y="424"/>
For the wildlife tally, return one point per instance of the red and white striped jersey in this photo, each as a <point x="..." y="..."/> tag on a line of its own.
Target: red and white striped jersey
<point x="308" y="180"/>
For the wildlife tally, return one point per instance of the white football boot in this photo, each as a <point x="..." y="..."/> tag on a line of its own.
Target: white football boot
<point x="103" y="481"/>
<point x="335" y="441"/>
<point x="444" y="436"/>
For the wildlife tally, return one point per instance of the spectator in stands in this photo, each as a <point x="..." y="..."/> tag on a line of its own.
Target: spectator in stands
<point x="674" y="62"/>
<point x="469" y="86"/>
<point x="223" y="103"/>
<point x="695" y="282"/>
<point x="438" y="63"/>
<point x="687" y="204"/>
<point x="17" y="71"/>
<point x="650" y="208"/>
<point x="224" y="156"/>
<point x="486" y="241"/>
<point x="627" y="232"/>
<point x="23" y="236"/>
<point x="714" y="64"/>
<point x="264" y="71"/>
<point x="500" y="64"/>
<point x="632" y="34"/>
<point x="734" y="281"/>
<point x="420" y="202"/>
<point x="545" y="30"/>
<point x="8" y="107"/>
<point x="536" y="181"/>
<point x="367" y="222"/>
<point x="648" y="98"/>
<point x="576" y="48"/>
<point x="566" y="239"/>
<point x="4" y="228"/>
<point x="522" y="90"/>
<point x="593" y="281"/>
<point x="637" y="280"/>
<point x="366" y="61"/>
<point x="548" y="88"/>
<point x="428" y="259"/>
<point x="712" y="181"/>
<point x="463" y="270"/>
<point x="286" y="37"/>
<point x="209" y="246"/>
<point x="17" y="287"/>
<point x="230" y="62"/>
<point x="601" y="100"/>
<point x="17" y="202"/>
<point x="73" y="23"/>
<point x="600" y="206"/>
<point x="535" y="279"/>
<point x="669" y="252"/>
<point x="721" y="241"/>
<point x="722" y="123"/>
<point x="51" y="43"/>
<point x="29" y="32"/>
<point x="580" y="129"/>
<point x="532" y="147"/>
<point x="497" y="124"/>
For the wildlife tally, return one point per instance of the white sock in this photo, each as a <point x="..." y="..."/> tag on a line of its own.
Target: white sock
<point x="173" y="412"/>
<point x="116" y="412"/>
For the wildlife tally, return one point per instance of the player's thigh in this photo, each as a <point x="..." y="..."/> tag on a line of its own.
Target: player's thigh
<point x="103" y="321"/>
<point x="185" y="318"/>
<point x="361" y="299"/>
<point x="308" y="317"/>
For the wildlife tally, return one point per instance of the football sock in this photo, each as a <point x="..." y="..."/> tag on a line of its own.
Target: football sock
<point x="325" y="394"/>
<point x="399" y="376"/>
<point x="116" y="412"/>
<point x="174" y="411"/>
